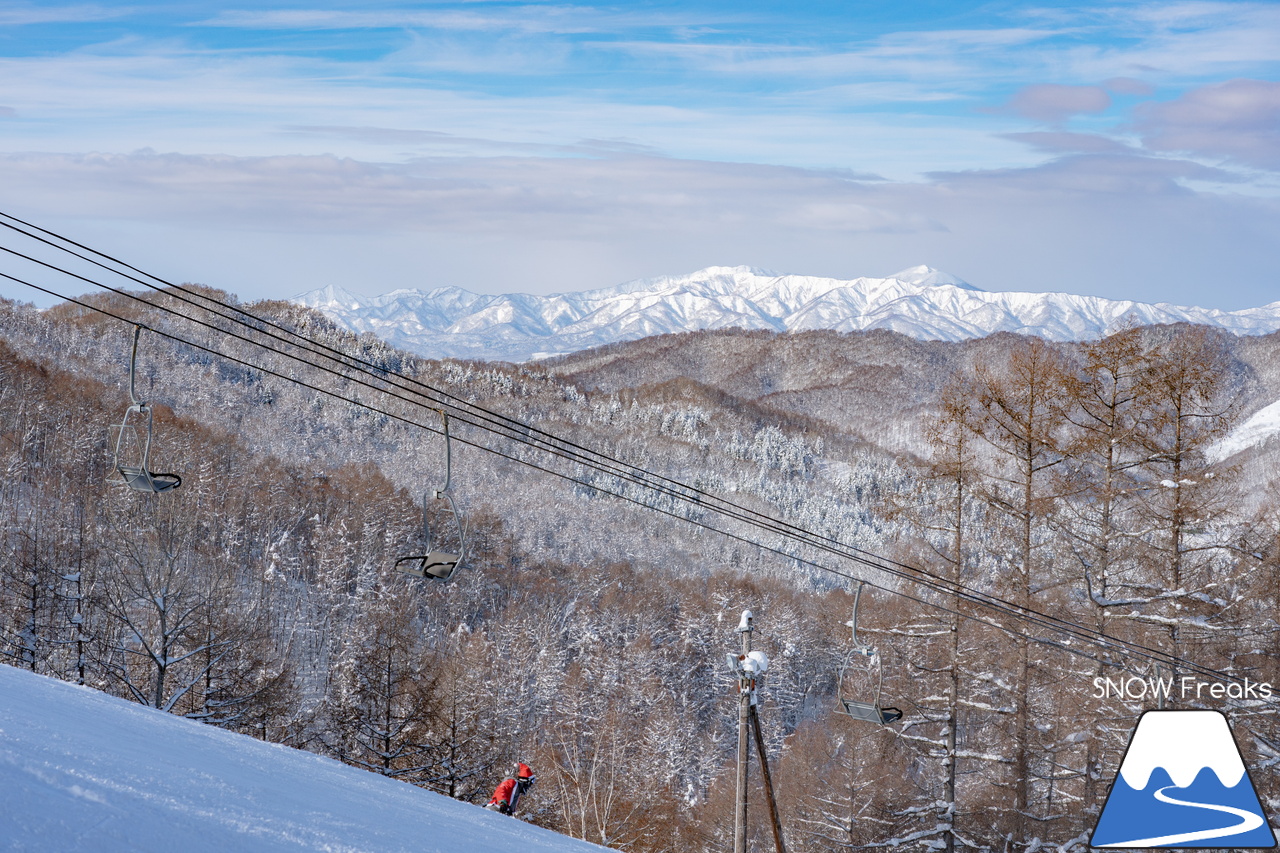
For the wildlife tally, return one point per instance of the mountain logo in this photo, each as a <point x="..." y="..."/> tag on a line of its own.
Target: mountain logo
<point x="1182" y="783"/>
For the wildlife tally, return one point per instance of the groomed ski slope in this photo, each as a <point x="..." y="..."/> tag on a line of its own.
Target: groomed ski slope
<point x="83" y="771"/>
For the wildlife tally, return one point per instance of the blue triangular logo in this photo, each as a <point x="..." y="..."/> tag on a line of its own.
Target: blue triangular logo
<point x="1182" y="783"/>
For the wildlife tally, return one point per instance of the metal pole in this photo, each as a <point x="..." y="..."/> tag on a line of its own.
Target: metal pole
<point x="745" y="684"/>
<point x="768" y="782"/>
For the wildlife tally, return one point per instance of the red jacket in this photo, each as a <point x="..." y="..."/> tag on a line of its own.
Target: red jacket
<point x="508" y="793"/>
<point x="504" y="792"/>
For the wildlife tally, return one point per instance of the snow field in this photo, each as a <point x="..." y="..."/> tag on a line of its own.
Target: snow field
<point x="84" y="771"/>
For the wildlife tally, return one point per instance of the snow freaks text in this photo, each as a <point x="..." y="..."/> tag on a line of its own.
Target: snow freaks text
<point x="1186" y="687"/>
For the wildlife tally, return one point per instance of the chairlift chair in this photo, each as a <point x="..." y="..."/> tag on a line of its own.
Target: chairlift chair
<point x="133" y="456"/>
<point x="439" y="565"/>
<point x="870" y="712"/>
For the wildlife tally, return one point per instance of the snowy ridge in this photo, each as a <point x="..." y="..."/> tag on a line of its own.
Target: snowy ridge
<point x="83" y="771"/>
<point x="1183" y="743"/>
<point x="924" y="303"/>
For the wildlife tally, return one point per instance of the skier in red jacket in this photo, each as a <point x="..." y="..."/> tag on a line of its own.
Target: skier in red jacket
<point x="508" y="793"/>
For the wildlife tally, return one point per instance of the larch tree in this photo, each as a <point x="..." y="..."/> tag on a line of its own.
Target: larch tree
<point x="1187" y="496"/>
<point x="948" y="522"/>
<point x="1110" y="410"/>
<point x="466" y="747"/>
<point x="1019" y="407"/>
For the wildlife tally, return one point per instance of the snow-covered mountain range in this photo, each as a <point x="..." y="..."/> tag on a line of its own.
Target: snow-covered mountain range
<point x="921" y="302"/>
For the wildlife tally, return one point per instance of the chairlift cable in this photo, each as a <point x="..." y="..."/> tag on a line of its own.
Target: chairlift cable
<point x="636" y="473"/>
<point x="922" y="578"/>
<point x="750" y="517"/>
<point x="989" y="602"/>
<point x="632" y="473"/>
<point x="892" y="567"/>
<point x="1123" y="648"/>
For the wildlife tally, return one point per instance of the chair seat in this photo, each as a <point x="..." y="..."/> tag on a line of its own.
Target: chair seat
<point x="869" y="712"/>
<point x="142" y="480"/>
<point x="437" y="564"/>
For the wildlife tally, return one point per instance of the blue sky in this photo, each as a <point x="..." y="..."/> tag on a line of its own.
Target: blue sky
<point x="1129" y="150"/>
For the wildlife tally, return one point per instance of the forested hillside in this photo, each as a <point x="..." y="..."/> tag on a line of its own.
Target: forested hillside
<point x="586" y="634"/>
<point x="877" y="385"/>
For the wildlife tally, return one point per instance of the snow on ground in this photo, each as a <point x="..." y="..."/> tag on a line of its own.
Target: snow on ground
<point x="84" y="771"/>
<point x="1256" y="429"/>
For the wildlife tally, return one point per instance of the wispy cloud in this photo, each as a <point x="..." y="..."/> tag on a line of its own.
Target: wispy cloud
<point x="1108" y="174"/>
<point x="1178" y="40"/>
<point x="547" y="20"/>
<point x="531" y="18"/>
<point x="450" y="144"/>
<point x="1238" y="121"/>
<point x="1192" y="16"/>
<point x="1066" y="142"/>
<point x="26" y="14"/>
<point x="1054" y="103"/>
<point x="948" y="40"/>
<point x="1129" y="86"/>
<point x="616" y="194"/>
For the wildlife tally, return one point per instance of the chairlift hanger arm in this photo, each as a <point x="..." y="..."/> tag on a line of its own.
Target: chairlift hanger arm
<point x="439" y="565"/>
<point x="139" y="476"/>
<point x="448" y="458"/>
<point x="868" y="711"/>
<point x="858" y="645"/>
<point x="133" y="368"/>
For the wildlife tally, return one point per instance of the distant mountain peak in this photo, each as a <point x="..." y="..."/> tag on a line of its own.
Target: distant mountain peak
<point x="331" y="295"/>
<point x="920" y="301"/>
<point x="738" y="270"/>
<point x="930" y="277"/>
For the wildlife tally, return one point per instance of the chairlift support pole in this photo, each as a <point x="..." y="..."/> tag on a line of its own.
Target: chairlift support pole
<point x="748" y="667"/>
<point x="768" y="782"/>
